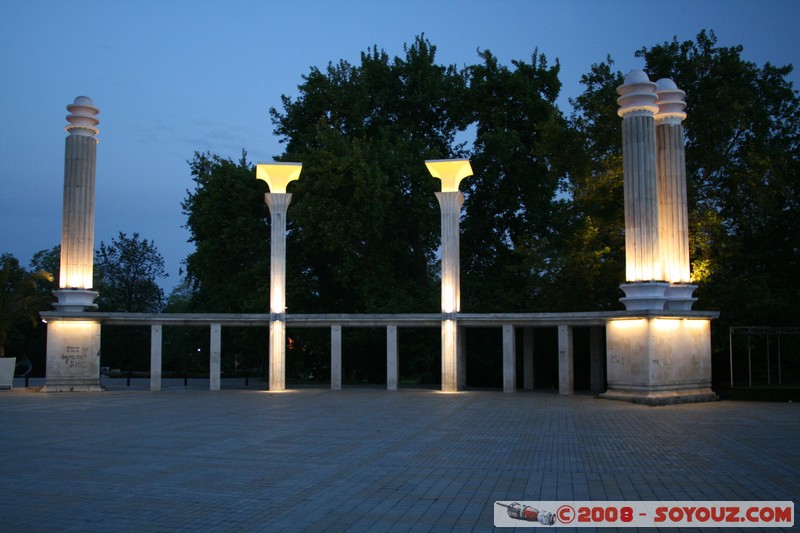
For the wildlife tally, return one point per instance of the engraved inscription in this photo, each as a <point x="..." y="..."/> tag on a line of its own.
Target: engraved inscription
<point x="75" y="357"/>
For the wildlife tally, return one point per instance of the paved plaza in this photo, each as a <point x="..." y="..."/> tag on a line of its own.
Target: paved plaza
<point x="312" y="459"/>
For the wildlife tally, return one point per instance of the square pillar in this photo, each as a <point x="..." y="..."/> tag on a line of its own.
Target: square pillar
<point x="215" y="357"/>
<point x="527" y="358"/>
<point x="566" y="378"/>
<point x="155" y="356"/>
<point x="391" y="358"/>
<point x="73" y="356"/>
<point x="509" y="359"/>
<point x="659" y="360"/>
<point x="336" y="357"/>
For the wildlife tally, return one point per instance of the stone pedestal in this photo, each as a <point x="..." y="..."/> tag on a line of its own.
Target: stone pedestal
<point x="657" y="360"/>
<point x="73" y="356"/>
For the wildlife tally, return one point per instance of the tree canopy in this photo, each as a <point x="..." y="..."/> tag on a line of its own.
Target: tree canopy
<point x="20" y="296"/>
<point x="543" y="221"/>
<point x="126" y="273"/>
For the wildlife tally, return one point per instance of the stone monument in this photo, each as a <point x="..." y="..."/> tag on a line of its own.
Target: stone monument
<point x="73" y="344"/>
<point x="661" y="352"/>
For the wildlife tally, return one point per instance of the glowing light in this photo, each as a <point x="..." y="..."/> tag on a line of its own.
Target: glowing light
<point x="278" y="175"/>
<point x="450" y="171"/>
<point x="667" y="324"/>
<point x="628" y="324"/>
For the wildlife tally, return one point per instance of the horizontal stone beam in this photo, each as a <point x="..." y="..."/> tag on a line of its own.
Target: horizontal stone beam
<point x="432" y="320"/>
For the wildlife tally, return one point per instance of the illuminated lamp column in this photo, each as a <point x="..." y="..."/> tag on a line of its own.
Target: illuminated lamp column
<point x="77" y="226"/>
<point x="450" y="172"/>
<point x="73" y="346"/>
<point x="645" y="287"/>
<point x="672" y="204"/>
<point x="277" y="176"/>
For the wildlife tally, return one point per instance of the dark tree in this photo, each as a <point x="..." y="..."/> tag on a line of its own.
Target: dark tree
<point x="126" y="272"/>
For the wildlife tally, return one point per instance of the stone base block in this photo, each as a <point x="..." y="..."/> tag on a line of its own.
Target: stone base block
<point x="73" y="386"/>
<point x="659" y="360"/>
<point x="73" y="356"/>
<point x="667" y="397"/>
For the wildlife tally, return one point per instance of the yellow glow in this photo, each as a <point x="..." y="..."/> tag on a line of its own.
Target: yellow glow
<point x="450" y="171"/>
<point x="73" y="325"/>
<point x="625" y="324"/>
<point x="76" y="277"/>
<point x="278" y="175"/>
<point x="667" y="324"/>
<point x="277" y="300"/>
<point x="697" y="324"/>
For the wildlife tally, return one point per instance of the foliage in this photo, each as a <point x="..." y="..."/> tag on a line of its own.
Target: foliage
<point x="126" y="272"/>
<point x="229" y="226"/>
<point x="20" y="296"/>
<point x="364" y="220"/>
<point x="511" y="223"/>
<point x="543" y="223"/>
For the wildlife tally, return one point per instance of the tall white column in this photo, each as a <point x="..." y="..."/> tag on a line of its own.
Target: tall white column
<point x="643" y="269"/>
<point x="672" y="202"/>
<point x="77" y="227"/>
<point x="450" y="172"/>
<point x="73" y="347"/>
<point x="277" y="176"/>
<point x="278" y="205"/>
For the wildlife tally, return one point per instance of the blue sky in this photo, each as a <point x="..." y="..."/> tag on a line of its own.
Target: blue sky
<point x="175" y="77"/>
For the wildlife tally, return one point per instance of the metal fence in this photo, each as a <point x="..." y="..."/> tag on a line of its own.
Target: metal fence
<point x="764" y="356"/>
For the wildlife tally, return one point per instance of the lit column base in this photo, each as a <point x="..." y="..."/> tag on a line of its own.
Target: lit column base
<point x="659" y="360"/>
<point x="679" y="296"/>
<point x="450" y="371"/>
<point x="73" y="356"/>
<point x="644" y="295"/>
<point x="75" y="300"/>
<point x="277" y="356"/>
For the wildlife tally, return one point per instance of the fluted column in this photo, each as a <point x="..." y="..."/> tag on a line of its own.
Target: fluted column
<point x="277" y="176"/>
<point x="451" y="172"/>
<point x="672" y="201"/>
<point x="77" y="227"/>
<point x="643" y="272"/>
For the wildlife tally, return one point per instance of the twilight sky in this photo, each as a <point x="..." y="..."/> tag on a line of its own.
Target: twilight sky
<point x="175" y="77"/>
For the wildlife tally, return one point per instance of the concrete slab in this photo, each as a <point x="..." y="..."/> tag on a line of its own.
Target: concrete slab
<point x="367" y="460"/>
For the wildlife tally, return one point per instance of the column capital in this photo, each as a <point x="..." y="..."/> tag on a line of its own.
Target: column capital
<point x="450" y="171"/>
<point x="278" y="175"/>
<point x="637" y="95"/>
<point x="82" y="119"/>
<point x="671" y="103"/>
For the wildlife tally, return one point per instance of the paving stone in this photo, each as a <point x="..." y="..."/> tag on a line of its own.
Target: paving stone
<point x="242" y="459"/>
